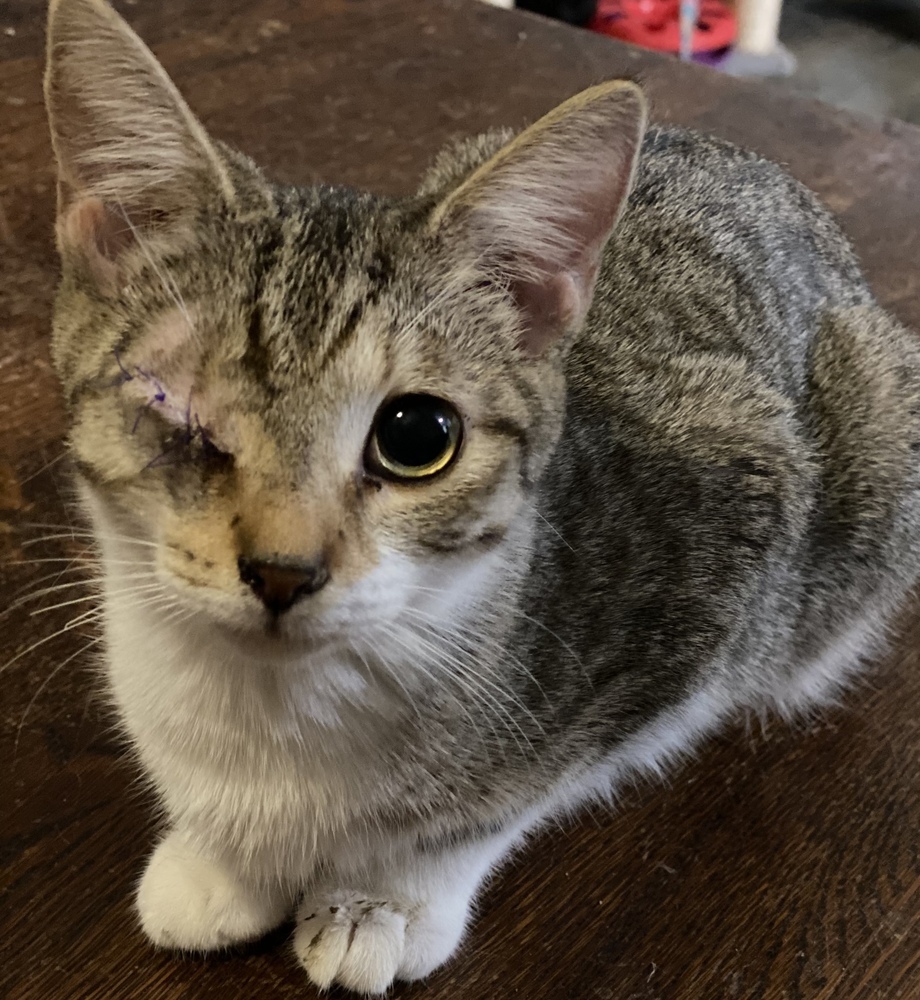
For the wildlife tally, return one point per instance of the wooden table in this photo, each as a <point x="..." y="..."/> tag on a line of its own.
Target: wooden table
<point x="780" y="866"/>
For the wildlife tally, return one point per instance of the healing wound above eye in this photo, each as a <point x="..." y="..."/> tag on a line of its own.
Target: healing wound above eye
<point x="161" y="369"/>
<point x="162" y="375"/>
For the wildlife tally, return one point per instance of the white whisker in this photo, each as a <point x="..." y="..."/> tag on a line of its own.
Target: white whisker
<point x="45" y="467"/>
<point x="393" y="671"/>
<point x="552" y="527"/>
<point x="74" y="623"/>
<point x="80" y="560"/>
<point x="488" y="690"/>
<point x="478" y="638"/>
<point x="62" y="533"/>
<point x="97" y="581"/>
<point x="45" y="683"/>
<point x="99" y="597"/>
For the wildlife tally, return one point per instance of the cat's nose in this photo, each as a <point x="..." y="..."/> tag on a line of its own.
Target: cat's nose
<point x="280" y="583"/>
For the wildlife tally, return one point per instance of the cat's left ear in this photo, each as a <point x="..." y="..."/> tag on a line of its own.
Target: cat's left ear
<point x="132" y="158"/>
<point x="538" y="213"/>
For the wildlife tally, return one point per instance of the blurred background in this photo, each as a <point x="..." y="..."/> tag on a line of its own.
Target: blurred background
<point x="863" y="55"/>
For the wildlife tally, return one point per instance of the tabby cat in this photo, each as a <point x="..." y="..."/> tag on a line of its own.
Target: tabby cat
<point x="425" y="519"/>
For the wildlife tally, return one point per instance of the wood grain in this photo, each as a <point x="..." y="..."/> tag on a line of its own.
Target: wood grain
<point x="782" y="865"/>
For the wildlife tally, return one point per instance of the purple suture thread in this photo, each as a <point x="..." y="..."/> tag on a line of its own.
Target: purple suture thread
<point x="171" y="454"/>
<point x="181" y="439"/>
<point x="141" y="410"/>
<point x="159" y="395"/>
<point x="128" y="377"/>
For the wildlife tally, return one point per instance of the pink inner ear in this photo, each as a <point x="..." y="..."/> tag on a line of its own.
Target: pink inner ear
<point x="99" y="234"/>
<point x="539" y="213"/>
<point x="547" y="307"/>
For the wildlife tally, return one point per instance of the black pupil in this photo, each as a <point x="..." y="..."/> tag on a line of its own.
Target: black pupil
<point x="414" y="431"/>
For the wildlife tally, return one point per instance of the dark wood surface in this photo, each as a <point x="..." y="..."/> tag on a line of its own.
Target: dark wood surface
<point x="782" y="865"/>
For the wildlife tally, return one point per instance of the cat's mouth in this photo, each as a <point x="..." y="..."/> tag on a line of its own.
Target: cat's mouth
<point x="276" y="636"/>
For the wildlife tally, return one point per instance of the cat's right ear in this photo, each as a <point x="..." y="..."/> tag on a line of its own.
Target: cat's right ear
<point x="132" y="158"/>
<point x="536" y="216"/>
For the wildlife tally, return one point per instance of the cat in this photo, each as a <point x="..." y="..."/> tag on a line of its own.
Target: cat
<point x="426" y="519"/>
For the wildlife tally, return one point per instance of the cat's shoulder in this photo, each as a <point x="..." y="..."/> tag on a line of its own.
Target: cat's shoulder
<point x="684" y="166"/>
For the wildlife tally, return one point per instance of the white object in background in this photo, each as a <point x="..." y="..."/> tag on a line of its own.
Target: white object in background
<point x="758" y="25"/>
<point x="501" y="3"/>
<point x="757" y="50"/>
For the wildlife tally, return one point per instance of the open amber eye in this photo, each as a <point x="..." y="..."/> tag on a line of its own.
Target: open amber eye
<point x="413" y="437"/>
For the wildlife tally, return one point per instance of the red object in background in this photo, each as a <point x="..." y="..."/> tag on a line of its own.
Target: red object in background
<point x="655" y="24"/>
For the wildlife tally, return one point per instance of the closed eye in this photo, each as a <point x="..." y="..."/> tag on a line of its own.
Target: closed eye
<point x="191" y="443"/>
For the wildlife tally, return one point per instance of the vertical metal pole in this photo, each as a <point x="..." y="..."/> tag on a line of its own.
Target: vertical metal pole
<point x="689" y="11"/>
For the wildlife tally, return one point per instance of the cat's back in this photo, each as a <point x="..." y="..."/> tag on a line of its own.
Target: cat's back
<point x="740" y="394"/>
<point x="722" y="251"/>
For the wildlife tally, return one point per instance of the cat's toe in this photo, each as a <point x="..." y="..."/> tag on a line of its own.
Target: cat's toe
<point x="364" y="941"/>
<point x="350" y="939"/>
<point x="187" y="902"/>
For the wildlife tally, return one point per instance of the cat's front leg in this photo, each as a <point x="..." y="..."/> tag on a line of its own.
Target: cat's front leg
<point x="188" y="901"/>
<point x="397" y="920"/>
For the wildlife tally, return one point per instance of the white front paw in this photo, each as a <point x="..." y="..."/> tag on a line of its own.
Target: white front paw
<point x="364" y="942"/>
<point x="189" y="902"/>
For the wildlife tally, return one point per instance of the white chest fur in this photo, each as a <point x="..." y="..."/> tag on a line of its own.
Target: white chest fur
<point x="268" y="764"/>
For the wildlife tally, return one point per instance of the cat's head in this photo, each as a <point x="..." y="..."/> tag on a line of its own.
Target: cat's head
<point x="315" y="410"/>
